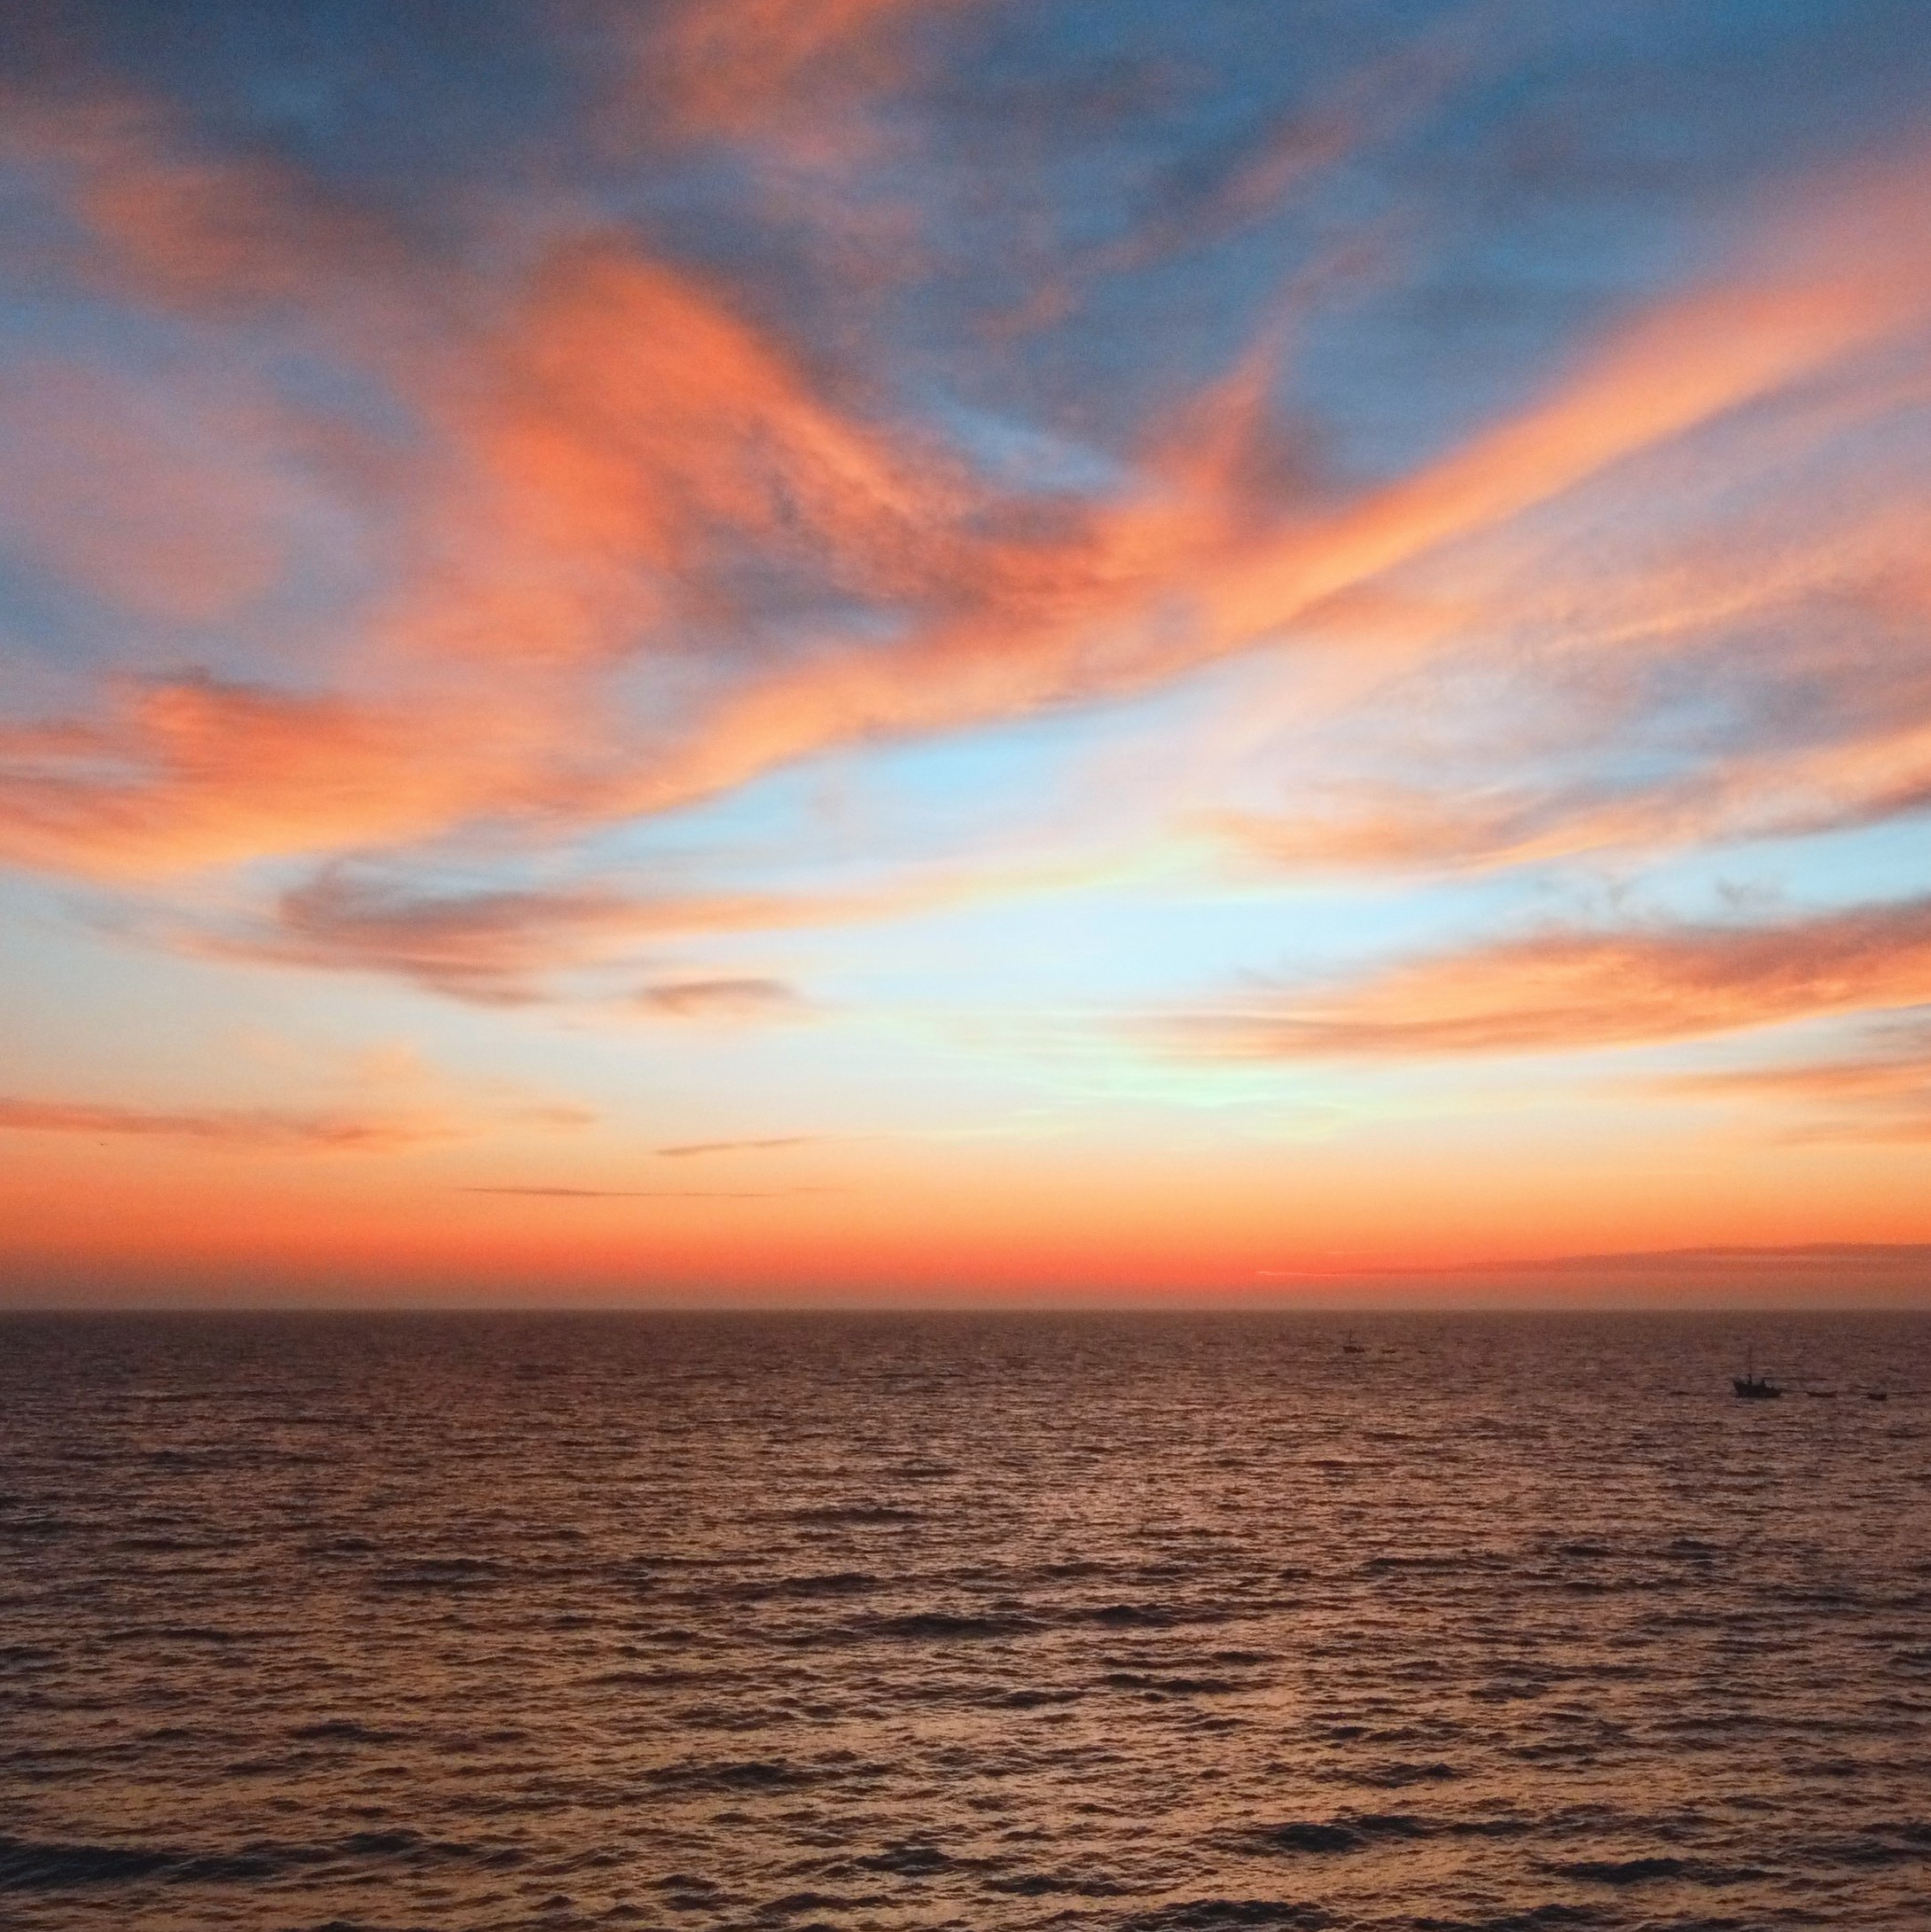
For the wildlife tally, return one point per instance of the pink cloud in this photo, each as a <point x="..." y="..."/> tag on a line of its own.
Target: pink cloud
<point x="1561" y="992"/>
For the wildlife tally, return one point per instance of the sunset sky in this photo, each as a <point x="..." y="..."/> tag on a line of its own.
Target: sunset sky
<point x="936" y="649"/>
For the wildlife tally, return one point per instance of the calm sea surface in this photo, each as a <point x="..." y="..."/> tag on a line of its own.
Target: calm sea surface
<point x="1140" y="1623"/>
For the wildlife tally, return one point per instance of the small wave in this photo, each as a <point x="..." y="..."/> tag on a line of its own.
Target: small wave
<point x="793" y="1902"/>
<point x="842" y="1583"/>
<point x="633" y="1680"/>
<point x="1042" y="1884"/>
<point x="1880" y="1844"/>
<point x="436" y="1573"/>
<point x="906" y="1861"/>
<point x="41" y="1526"/>
<point x="1153" y="1616"/>
<point x="1444" y="1563"/>
<point x="938" y="1625"/>
<point x="1309" y="1837"/>
<point x="831" y="1512"/>
<point x="748" y="1774"/>
<point x="1395" y="1775"/>
<point x="1352" y="1832"/>
<point x="29" y="1866"/>
<point x="170" y="1634"/>
<point x="1176" y="1686"/>
<point x="1209" y="1914"/>
<point x="1624" y="1871"/>
<point x="1536" y="1919"/>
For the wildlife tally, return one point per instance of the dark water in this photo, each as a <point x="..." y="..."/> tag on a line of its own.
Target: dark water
<point x="1156" y="1623"/>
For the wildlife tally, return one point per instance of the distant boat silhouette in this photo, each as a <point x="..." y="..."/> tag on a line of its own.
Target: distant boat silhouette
<point x="1351" y="1346"/>
<point x="1755" y="1388"/>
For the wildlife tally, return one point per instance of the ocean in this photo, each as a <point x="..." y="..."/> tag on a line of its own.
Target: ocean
<point x="1153" y="1623"/>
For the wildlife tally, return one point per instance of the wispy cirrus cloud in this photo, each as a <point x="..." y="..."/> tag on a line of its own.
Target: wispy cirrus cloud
<point x="503" y="948"/>
<point x="1768" y="1260"/>
<point x="728" y="66"/>
<point x="177" y="516"/>
<point x="1878" y="1090"/>
<point x="162" y="209"/>
<point x="1189" y="568"/>
<point x="382" y="1099"/>
<point x="621" y="460"/>
<point x="1859" y="779"/>
<point x="720" y="998"/>
<point x="1565" y="991"/>
<point x="691" y="1149"/>
<point x="231" y="1130"/>
<point x="196" y="772"/>
<point x="655" y="1194"/>
<point x="1768" y="678"/>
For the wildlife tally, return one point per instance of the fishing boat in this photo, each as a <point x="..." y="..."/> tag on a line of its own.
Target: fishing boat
<point x="1751" y="1386"/>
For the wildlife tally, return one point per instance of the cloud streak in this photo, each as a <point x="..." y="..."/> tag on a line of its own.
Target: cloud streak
<point x="1880" y="1091"/>
<point x="231" y="1130"/>
<point x="722" y="999"/>
<point x="655" y="1194"/>
<point x="503" y="948"/>
<point x="1564" y="991"/>
<point x="691" y="1149"/>
<point x="735" y="64"/>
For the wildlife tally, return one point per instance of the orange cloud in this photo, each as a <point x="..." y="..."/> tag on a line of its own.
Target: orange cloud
<point x="491" y="948"/>
<point x="612" y="458"/>
<point x="1803" y="636"/>
<point x="1880" y="1093"/>
<point x="631" y="481"/>
<point x="1694" y="360"/>
<point x="230" y="1130"/>
<point x="198" y="772"/>
<point x="722" y="999"/>
<point x="168" y="520"/>
<point x="691" y="1149"/>
<point x="728" y="65"/>
<point x="1183" y="570"/>
<point x="1393" y="827"/>
<point x="1202" y="200"/>
<point x="177" y="221"/>
<point x="497" y="948"/>
<point x="1858" y="779"/>
<point x="1565" y="992"/>
<point x="627" y="440"/>
<point x="656" y="1193"/>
